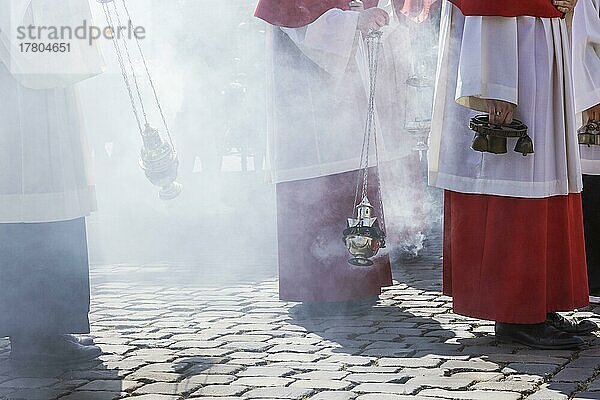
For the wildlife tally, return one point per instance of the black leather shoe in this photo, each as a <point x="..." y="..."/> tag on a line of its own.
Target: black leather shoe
<point x="51" y="350"/>
<point x="82" y="340"/>
<point x="538" y="336"/>
<point x="574" y="327"/>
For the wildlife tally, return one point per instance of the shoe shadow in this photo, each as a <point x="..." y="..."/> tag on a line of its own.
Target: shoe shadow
<point x="37" y="380"/>
<point x="112" y="376"/>
<point x="424" y="350"/>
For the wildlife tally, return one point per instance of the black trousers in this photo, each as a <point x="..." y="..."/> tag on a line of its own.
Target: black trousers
<point x="591" y="215"/>
<point x="44" y="278"/>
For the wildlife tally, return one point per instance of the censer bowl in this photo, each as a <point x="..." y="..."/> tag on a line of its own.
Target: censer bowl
<point x="363" y="243"/>
<point x="361" y="248"/>
<point x="160" y="163"/>
<point x="165" y="179"/>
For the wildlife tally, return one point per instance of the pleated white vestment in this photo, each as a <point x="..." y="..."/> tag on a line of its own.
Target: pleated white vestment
<point x="525" y="61"/>
<point x="586" y="71"/>
<point x="44" y="157"/>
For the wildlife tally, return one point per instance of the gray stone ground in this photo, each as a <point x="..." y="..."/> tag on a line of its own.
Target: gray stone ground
<point x="167" y="341"/>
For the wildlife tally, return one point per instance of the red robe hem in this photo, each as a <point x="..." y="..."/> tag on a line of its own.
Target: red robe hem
<point x="513" y="260"/>
<point x="313" y="260"/>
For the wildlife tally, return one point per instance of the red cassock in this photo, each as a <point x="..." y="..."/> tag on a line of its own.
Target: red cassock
<point x="512" y="259"/>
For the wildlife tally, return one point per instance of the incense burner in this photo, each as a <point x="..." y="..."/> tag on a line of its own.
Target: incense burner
<point x="363" y="237"/>
<point x="589" y="134"/>
<point x="160" y="163"/>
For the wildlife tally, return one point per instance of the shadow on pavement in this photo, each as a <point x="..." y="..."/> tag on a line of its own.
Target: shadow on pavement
<point x="113" y="376"/>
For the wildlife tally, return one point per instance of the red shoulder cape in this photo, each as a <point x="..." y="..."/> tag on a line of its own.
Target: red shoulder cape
<point x="297" y="13"/>
<point x="508" y="8"/>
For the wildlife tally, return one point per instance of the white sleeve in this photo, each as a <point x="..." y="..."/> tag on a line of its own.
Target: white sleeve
<point x="489" y="62"/>
<point x="329" y="41"/>
<point x="586" y="54"/>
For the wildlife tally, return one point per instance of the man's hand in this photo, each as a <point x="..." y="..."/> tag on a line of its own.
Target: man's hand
<point x="592" y="114"/>
<point x="564" y="6"/>
<point x="372" y="18"/>
<point x="501" y="112"/>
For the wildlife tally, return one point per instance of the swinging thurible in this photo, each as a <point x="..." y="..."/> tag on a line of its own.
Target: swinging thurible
<point x="365" y="236"/>
<point x="158" y="156"/>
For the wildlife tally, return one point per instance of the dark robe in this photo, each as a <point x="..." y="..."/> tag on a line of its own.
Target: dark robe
<point x="44" y="278"/>
<point x="591" y="213"/>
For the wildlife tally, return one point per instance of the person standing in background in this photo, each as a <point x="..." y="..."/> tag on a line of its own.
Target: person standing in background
<point x="514" y="249"/>
<point x="586" y="79"/>
<point x="45" y="191"/>
<point x="318" y="96"/>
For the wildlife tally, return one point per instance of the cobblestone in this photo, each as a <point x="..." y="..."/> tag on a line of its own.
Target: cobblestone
<point x="175" y="342"/>
<point x="471" y="394"/>
<point x="334" y="395"/>
<point x="278" y="393"/>
<point x="573" y="375"/>
<point x="390" y="388"/>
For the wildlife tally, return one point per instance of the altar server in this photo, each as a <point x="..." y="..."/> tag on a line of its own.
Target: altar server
<point x="46" y="190"/>
<point x="586" y="78"/>
<point x="513" y="240"/>
<point x="318" y="82"/>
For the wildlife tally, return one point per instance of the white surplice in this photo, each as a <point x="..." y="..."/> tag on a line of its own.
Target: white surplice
<point x="524" y="61"/>
<point x="47" y="70"/>
<point x="44" y="157"/>
<point x="318" y="96"/>
<point x="586" y="71"/>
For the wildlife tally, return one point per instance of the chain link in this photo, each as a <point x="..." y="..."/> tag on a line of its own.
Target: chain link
<point x="131" y="65"/>
<point x="151" y="81"/>
<point x="127" y="67"/>
<point x="123" y="68"/>
<point x="373" y="48"/>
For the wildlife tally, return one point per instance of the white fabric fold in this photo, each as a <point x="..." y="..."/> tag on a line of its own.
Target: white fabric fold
<point x="47" y="70"/>
<point x="333" y="54"/>
<point x="318" y="93"/>
<point x="586" y="71"/>
<point x="488" y="66"/>
<point x="526" y="62"/>
<point x="44" y="156"/>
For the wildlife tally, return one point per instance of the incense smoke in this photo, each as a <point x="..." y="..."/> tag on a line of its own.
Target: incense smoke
<point x="209" y="68"/>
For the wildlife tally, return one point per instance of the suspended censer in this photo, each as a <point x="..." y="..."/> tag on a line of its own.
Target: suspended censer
<point x="158" y="158"/>
<point x="589" y="134"/>
<point x="159" y="162"/>
<point x="419" y="128"/>
<point x="364" y="236"/>
<point x="422" y="37"/>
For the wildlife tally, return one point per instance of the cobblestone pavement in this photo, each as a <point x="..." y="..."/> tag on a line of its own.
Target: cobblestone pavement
<point x="165" y="341"/>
